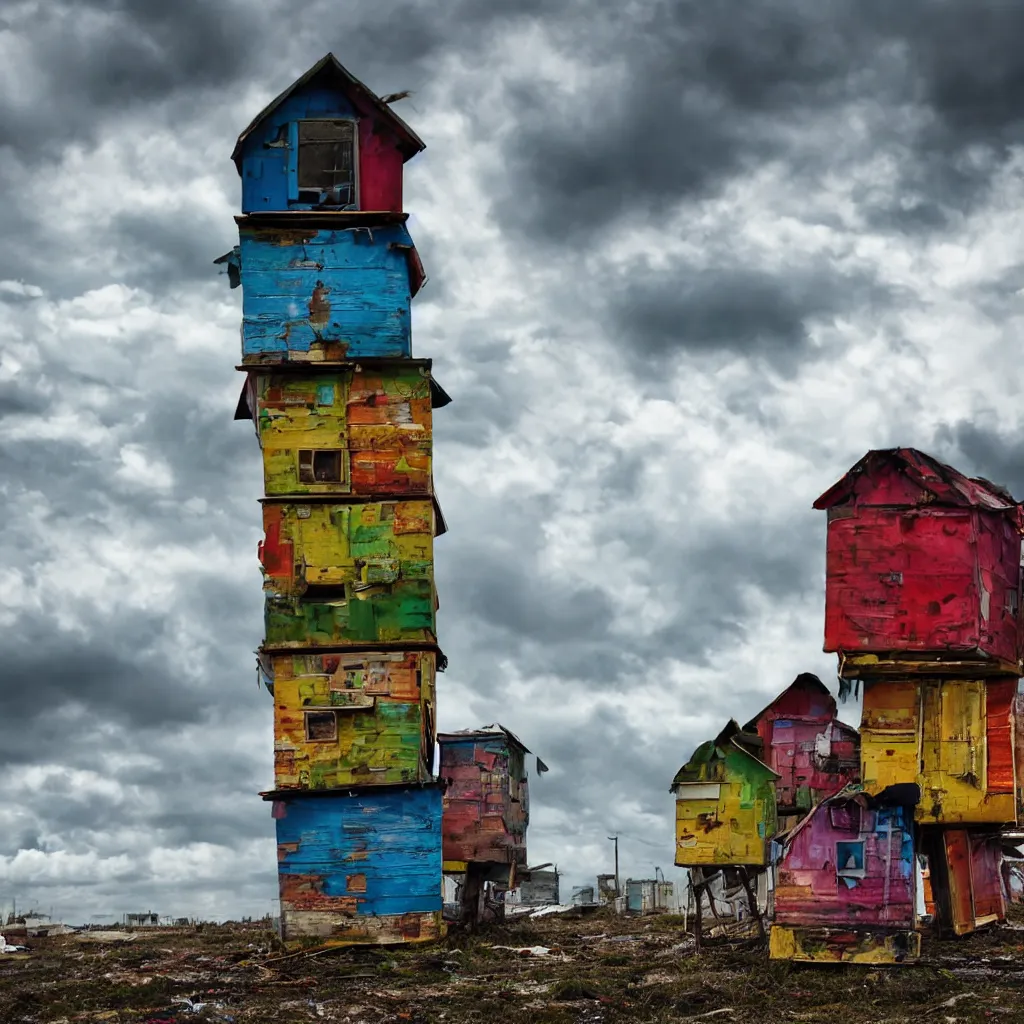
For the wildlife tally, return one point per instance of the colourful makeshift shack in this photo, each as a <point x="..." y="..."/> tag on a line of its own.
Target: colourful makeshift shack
<point x="352" y="718"/>
<point x="725" y="802"/>
<point x="343" y="415"/>
<point x="953" y="737"/>
<point x="966" y="878"/>
<point x="846" y="883"/>
<point x="486" y="802"/>
<point x="812" y="752"/>
<point x="363" y="869"/>
<point x="922" y="568"/>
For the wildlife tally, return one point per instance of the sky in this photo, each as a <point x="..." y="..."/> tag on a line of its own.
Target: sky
<point x="687" y="262"/>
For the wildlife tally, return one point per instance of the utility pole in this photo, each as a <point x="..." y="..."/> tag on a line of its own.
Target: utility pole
<point x="615" y="840"/>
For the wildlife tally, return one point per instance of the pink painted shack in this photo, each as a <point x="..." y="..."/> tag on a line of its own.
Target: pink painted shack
<point x="846" y="884"/>
<point x="922" y="565"/>
<point x="486" y="802"/>
<point x="813" y="753"/>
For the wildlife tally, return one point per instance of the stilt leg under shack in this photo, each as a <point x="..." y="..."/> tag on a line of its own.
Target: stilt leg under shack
<point x="752" y="902"/>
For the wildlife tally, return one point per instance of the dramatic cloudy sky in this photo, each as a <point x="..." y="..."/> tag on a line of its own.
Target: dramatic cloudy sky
<point x="688" y="261"/>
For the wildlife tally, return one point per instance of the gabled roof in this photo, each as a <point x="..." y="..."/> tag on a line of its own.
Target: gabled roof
<point x="805" y="680"/>
<point x="945" y="485"/>
<point x="901" y="794"/>
<point x="731" y="737"/>
<point x="358" y="93"/>
<point x="483" y="733"/>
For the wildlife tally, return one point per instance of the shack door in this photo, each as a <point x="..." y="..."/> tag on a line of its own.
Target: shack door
<point x="958" y="867"/>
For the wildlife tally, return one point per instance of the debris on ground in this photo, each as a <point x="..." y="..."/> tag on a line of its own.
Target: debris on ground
<point x="593" y="968"/>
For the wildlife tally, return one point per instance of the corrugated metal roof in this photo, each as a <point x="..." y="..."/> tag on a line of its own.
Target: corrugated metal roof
<point x="945" y="484"/>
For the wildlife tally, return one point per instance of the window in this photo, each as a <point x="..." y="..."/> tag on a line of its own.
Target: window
<point x="844" y="817"/>
<point x="850" y="860"/>
<point x="319" y="467"/>
<point x="325" y="163"/>
<point x="321" y="725"/>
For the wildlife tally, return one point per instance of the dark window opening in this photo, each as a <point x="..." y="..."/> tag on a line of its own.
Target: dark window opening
<point x="321" y="725"/>
<point x="850" y="860"/>
<point x="326" y="163"/>
<point x="319" y="593"/>
<point x="319" y="467"/>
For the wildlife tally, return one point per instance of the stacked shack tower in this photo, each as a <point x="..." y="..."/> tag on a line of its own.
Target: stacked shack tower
<point x="343" y="415"/>
<point x="923" y="608"/>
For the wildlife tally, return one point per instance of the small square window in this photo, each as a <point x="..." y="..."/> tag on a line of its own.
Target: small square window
<point x="850" y="860"/>
<point x="319" y="467"/>
<point x="321" y="725"/>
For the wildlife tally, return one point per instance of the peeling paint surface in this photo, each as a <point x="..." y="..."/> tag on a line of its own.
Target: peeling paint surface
<point x="401" y="612"/>
<point x="486" y="802"/>
<point x="368" y="864"/>
<point x="264" y="151"/>
<point x="814" y="754"/>
<point x="384" y="718"/>
<point x="951" y="736"/>
<point x="325" y="294"/>
<point x="315" y="545"/>
<point x="725" y="806"/>
<point x="380" y="421"/>
<point x="848" y="865"/>
<point x="921" y="559"/>
<point x="843" y="945"/>
<point x="972" y="869"/>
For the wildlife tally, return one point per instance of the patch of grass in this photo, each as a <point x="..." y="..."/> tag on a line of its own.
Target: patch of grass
<point x="570" y="989"/>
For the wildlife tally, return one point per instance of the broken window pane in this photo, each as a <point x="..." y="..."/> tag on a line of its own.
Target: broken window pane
<point x="850" y="860"/>
<point x="321" y="725"/>
<point x="319" y="467"/>
<point x="326" y="161"/>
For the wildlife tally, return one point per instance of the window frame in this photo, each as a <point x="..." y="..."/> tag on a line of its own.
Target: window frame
<point x="294" y="198"/>
<point x="323" y="713"/>
<point x="313" y="452"/>
<point x="860" y="872"/>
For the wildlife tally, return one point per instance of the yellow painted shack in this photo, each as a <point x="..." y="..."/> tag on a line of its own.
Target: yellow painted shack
<point x="359" y="430"/>
<point x="725" y="803"/>
<point x="950" y="736"/>
<point x="328" y="545"/>
<point x="356" y="719"/>
<point x="349" y="574"/>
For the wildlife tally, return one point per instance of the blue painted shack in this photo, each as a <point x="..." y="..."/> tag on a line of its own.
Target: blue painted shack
<point x="364" y="868"/>
<point x="328" y="266"/>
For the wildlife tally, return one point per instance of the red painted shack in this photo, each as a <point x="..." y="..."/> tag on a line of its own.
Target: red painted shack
<point x="813" y="753"/>
<point x="486" y="802"/>
<point x="923" y="564"/>
<point x="965" y="866"/>
<point x="846" y="883"/>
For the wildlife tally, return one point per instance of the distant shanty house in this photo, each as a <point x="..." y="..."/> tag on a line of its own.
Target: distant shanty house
<point x="846" y="886"/>
<point x="486" y="802"/>
<point x="725" y="802"/>
<point x="813" y="753"/>
<point x="540" y="889"/>
<point x="922" y="569"/>
<point x="147" y="920"/>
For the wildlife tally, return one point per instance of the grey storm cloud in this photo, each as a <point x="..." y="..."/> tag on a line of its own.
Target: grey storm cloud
<point x="738" y="310"/>
<point x="676" y="101"/>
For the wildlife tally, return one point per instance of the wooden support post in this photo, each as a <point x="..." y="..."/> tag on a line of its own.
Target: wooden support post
<point x="752" y="902"/>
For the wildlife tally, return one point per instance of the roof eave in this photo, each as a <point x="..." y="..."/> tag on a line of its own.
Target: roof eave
<point x="411" y="143"/>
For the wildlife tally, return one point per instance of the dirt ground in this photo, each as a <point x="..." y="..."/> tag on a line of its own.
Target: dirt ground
<point x="598" y="968"/>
